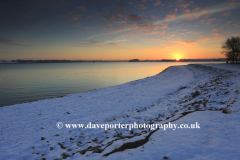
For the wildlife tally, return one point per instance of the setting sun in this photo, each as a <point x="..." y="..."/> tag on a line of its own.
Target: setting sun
<point x="177" y="55"/>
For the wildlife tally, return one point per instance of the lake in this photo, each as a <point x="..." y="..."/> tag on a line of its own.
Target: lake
<point x="21" y="83"/>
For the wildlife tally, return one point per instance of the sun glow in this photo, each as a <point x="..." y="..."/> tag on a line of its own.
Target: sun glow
<point x="177" y="56"/>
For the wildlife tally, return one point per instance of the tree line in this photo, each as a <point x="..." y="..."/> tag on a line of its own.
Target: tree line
<point x="231" y="49"/>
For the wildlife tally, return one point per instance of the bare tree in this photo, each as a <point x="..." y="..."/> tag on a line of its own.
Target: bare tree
<point x="230" y="56"/>
<point x="231" y="48"/>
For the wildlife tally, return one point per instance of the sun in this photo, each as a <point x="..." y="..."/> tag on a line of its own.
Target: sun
<point x="177" y="56"/>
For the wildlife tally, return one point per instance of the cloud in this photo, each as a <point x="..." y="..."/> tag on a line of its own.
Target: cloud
<point x="194" y="32"/>
<point x="155" y="27"/>
<point x="203" y="39"/>
<point x="99" y="24"/>
<point x="155" y="32"/>
<point x="222" y="7"/>
<point x="10" y="42"/>
<point x="186" y="5"/>
<point x="216" y="34"/>
<point x="170" y="17"/>
<point x="144" y="26"/>
<point x="171" y="36"/>
<point x="196" y="9"/>
<point x="113" y="32"/>
<point x="77" y="25"/>
<point x="164" y="25"/>
<point x="210" y="20"/>
<point x="214" y="30"/>
<point x="141" y="7"/>
<point x="122" y="22"/>
<point x="233" y="4"/>
<point x="134" y="17"/>
<point x="74" y="16"/>
<point x="219" y="33"/>
<point x="194" y="41"/>
<point x="92" y="43"/>
<point x="194" y="15"/>
<point x="80" y="46"/>
<point x="187" y="11"/>
<point x="132" y="24"/>
<point x="227" y="14"/>
<point x="89" y="44"/>
<point x="96" y="42"/>
<point x="114" y="43"/>
<point x="112" y="16"/>
<point x="188" y="42"/>
<point x="89" y="17"/>
<point x="157" y="3"/>
<point x="5" y="40"/>
<point x="119" y="10"/>
<point x="81" y="8"/>
<point x="202" y="12"/>
<point x="120" y="3"/>
<point x="118" y="40"/>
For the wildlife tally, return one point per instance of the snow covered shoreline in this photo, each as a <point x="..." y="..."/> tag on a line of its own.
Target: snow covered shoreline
<point x="28" y="131"/>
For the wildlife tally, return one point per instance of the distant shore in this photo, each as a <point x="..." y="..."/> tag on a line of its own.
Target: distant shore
<point x="92" y="61"/>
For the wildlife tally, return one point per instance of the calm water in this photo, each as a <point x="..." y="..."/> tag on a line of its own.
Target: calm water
<point x="21" y="83"/>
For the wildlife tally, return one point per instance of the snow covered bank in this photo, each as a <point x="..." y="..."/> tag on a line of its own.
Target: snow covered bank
<point x="28" y="131"/>
<point x="217" y="139"/>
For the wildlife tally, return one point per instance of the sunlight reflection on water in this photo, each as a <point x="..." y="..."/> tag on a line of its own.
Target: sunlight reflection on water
<point x="21" y="83"/>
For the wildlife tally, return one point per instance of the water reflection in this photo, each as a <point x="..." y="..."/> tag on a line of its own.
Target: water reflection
<point x="27" y="82"/>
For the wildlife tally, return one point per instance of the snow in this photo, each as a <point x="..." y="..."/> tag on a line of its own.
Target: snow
<point x="207" y="94"/>
<point x="216" y="139"/>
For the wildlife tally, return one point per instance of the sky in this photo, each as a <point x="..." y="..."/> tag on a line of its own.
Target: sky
<point x="116" y="29"/>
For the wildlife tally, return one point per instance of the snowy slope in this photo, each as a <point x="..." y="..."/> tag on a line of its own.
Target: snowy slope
<point x="218" y="138"/>
<point x="28" y="131"/>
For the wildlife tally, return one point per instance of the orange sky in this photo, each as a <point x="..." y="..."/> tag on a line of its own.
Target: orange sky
<point x="117" y="29"/>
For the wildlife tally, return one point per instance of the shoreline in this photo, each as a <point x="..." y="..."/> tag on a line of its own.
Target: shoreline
<point x="93" y="61"/>
<point x="162" y="98"/>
